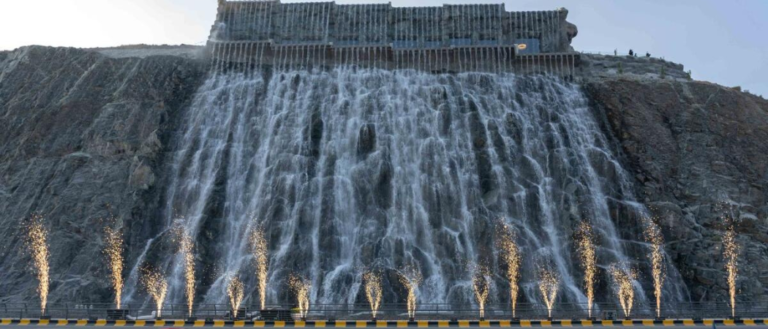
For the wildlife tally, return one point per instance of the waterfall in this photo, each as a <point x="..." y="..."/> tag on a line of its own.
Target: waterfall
<point x="349" y="169"/>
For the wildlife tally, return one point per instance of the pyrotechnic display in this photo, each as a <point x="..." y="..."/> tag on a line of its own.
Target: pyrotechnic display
<point x="156" y="286"/>
<point x="113" y="250"/>
<point x="301" y="289"/>
<point x="655" y="238"/>
<point x="512" y="258"/>
<point x="549" y="284"/>
<point x="186" y="247"/>
<point x="411" y="278"/>
<point x="481" y="287"/>
<point x="37" y="245"/>
<point x="236" y="293"/>
<point x="588" y="256"/>
<point x="260" y="253"/>
<point x="731" y="251"/>
<point x="623" y="281"/>
<point x="372" y="284"/>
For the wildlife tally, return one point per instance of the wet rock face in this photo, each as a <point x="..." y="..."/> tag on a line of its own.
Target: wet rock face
<point x="82" y="138"/>
<point x="693" y="147"/>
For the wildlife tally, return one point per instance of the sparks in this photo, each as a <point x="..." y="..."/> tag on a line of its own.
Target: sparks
<point x="37" y="244"/>
<point x="511" y="257"/>
<point x="481" y="287"/>
<point x="113" y="249"/>
<point x="157" y="287"/>
<point x="623" y="278"/>
<point x="373" y="290"/>
<point x="588" y="256"/>
<point x="410" y="278"/>
<point x="186" y="247"/>
<point x="261" y="257"/>
<point x="301" y="288"/>
<point x="731" y="254"/>
<point x="549" y="283"/>
<point x="236" y="292"/>
<point x="656" y="240"/>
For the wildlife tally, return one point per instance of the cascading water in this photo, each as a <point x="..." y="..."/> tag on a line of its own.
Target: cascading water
<point x="347" y="169"/>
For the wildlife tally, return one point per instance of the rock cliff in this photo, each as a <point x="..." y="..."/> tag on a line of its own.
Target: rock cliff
<point x="82" y="137"/>
<point x="699" y="155"/>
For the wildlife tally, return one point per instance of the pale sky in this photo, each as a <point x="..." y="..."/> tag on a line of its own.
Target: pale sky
<point x="723" y="41"/>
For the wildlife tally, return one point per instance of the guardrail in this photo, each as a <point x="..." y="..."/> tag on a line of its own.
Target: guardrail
<point x="602" y="311"/>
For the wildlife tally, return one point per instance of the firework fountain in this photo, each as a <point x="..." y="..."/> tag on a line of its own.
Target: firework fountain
<point x="731" y="254"/>
<point x="236" y="292"/>
<point x="157" y="287"/>
<point x="186" y="247"/>
<point x="656" y="240"/>
<point x="113" y="250"/>
<point x="588" y="257"/>
<point x="301" y="288"/>
<point x="373" y="290"/>
<point x="261" y="258"/>
<point x="482" y="288"/>
<point x="510" y="257"/>
<point x="549" y="283"/>
<point x="37" y="244"/>
<point x="623" y="278"/>
<point x="411" y="278"/>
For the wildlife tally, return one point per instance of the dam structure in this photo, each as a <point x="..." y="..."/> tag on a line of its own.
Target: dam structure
<point x="370" y="138"/>
<point x="451" y="38"/>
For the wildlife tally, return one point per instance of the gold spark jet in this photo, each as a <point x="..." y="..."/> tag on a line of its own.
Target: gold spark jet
<point x="588" y="256"/>
<point x="236" y="292"/>
<point x="654" y="236"/>
<point x="261" y="257"/>
<point x="37" y="244"/>
<point x="301" y="287"/>
<point x="481" y="287"/>
<point x="113" y="249"/>
<point x="186" y="247"/>
<point x="511" y="257"/>
<point x="411" y="279"/>
<point x="549" y="283"/>
<point x="157" y="287"/>
<point x="731" y="254"/>
<point x="373" y="290"/>
<point x="625" y="290"/>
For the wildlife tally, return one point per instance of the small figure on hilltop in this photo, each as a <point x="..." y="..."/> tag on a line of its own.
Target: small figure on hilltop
<point x="631" y="53"/>
<point x="615" y="52"/>
<point x="647" y="54"/>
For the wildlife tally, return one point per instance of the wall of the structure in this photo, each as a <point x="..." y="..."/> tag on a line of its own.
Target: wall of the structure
<point x="383" y="25"/>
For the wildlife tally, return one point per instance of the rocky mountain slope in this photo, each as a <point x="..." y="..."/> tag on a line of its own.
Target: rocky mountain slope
<point x="699" y="154"/>
<point x="84" y="138"/>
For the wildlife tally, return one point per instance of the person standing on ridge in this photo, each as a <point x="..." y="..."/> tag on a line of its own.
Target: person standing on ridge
<point x="631" y="53"/>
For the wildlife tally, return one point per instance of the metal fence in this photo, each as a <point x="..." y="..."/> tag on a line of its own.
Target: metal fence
<point x="391" y="311"/>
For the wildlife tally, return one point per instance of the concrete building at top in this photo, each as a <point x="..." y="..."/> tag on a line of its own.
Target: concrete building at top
<point x="320" y="30"/>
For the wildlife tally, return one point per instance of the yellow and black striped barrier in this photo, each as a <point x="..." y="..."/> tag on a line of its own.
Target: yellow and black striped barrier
<point x="382" y="324"/>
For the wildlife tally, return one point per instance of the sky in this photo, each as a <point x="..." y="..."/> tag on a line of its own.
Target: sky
<point x="722" y="41"/>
